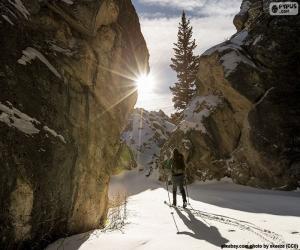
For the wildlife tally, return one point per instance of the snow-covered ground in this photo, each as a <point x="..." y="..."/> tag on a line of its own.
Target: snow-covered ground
<point x="220" y="213"/>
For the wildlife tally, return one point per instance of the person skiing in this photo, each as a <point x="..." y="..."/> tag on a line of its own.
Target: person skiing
<point x="177" y="168"/>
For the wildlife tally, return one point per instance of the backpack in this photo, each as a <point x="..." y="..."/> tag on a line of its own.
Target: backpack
<point x="178" y="165"/>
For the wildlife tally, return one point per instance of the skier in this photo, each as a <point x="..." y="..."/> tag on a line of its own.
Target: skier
<point x="177" y="168"/>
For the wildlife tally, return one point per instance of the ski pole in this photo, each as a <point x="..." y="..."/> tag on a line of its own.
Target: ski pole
<point x="172" y="213"/>
<point x="187" y="192"/>
<point x="168" y="191"/>
<point x="167" y="185"/>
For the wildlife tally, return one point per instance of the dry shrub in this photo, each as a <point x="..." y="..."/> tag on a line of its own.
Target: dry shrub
<point x="117" y="212"/>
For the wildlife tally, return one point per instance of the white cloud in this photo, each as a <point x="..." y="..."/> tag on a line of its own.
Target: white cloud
<point x="154" y="101"/>
<point x="220" y="7"/>
<point x="179" y="4"/>
<point x="160" y="34"/>
<point x="201" y="7"/>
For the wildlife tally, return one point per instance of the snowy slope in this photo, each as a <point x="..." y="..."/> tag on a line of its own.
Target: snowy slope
<point x="223" y="213"/>
<point x="145" y="134"/>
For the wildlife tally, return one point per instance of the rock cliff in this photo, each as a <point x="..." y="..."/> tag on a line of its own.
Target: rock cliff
<point x="245" y="122"/>
<point x="66" y="94"/>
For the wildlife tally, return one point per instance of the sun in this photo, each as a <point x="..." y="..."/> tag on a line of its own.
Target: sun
<point x="145" y="84"/>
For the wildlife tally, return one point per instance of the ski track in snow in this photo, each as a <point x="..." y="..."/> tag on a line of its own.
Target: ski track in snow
<point x="219" y="212"/>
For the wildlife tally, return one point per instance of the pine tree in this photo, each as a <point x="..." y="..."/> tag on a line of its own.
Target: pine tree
<point x="185" y="64"/>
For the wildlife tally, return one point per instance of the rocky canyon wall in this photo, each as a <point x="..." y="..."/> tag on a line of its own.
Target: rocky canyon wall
<point x="245" y="121"/>
<point x="66" y="92"/>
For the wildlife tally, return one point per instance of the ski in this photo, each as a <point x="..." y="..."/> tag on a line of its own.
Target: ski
<point x="171" y="206"/>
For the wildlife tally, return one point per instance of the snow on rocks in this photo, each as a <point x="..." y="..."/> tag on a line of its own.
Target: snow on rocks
<point x="11" y="10"/>
<point x="234" y="43"/>
<point x="231" y="60"/>
<point x="217" y="48"/>
<point x="231" y="54"/>
<point x="187" y="144"/>
<point x="222" y="47"/>
<point x="257" y="39"/>
<point x="60" y="50"/>
<point x="239" y="38"/>
<point x="146" y="132"/>
<point x="13" y="117"/>
<point x="18" y="4"/>
<point x="30" y="54"/>
<point x="199" y="108"/>
<point x="7" y="19"/>
<point x="70" y="2"/>
<point x="55" y="134"/>
<point x="264" y="96"/>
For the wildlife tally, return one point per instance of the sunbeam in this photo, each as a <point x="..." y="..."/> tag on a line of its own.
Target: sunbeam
<point x="145" y="84"/>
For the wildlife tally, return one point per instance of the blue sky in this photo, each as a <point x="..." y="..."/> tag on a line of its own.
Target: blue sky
<point x="212" y="24"/>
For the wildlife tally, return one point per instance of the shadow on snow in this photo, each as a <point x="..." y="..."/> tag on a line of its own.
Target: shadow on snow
<point x="200" y="230"/>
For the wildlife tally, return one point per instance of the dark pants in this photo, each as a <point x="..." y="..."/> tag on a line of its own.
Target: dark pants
<point x="178" y="180"/>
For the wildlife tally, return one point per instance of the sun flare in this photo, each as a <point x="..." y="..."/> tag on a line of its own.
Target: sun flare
<point x="145" y="84"/>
